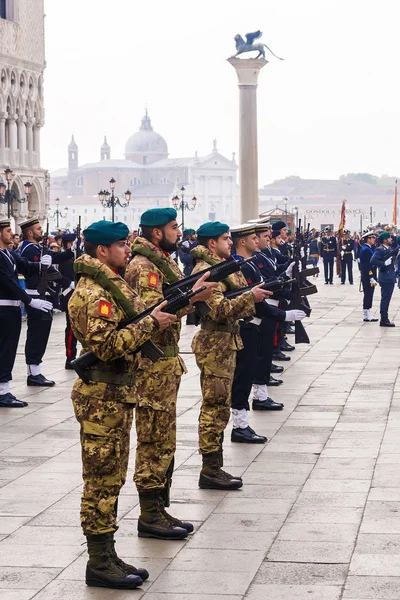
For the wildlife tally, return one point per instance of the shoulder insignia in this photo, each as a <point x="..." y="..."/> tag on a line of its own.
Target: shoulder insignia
<point x="260" y="265"/>
<point x="35" y="258"/>
<point x="249" y="281"/>
<point x="152" y="279"/>
<point x="104" y="308"/>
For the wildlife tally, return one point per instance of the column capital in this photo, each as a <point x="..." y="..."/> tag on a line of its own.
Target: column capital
<point x="247" y="69"/>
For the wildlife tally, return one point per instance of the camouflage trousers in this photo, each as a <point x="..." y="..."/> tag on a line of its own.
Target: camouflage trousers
<point x="216" y="375"/>
<point x="156" y="424"/>
<point x="105" y="434"/>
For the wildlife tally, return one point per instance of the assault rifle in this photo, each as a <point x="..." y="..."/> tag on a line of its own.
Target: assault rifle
<point x="301" y="287"/>
<point x="44" y="277"/>
<point x="175" y="304"/>
<point x="78" y="250"/>
<point x="274" y="284"/>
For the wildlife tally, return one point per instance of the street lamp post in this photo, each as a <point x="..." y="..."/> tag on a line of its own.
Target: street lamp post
<point x="285" y="200"/>
<point x="7" y="196"/>
<point x="296" y="214"/>
<point x="182" y="205"/>
<point x="108" y="199"/>
<point x="57" y="213"/>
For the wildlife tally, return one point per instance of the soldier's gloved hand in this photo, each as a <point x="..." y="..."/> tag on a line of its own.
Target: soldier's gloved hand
<point x="295" y="315"/>
<point x="343" y="247"/>
<point x="162" y="319"/>
<point x="260" y="294"/>
<point x="388" y="261"/>
<point x="46" y="260"/>
<point x="302" y="252"/>
<point x="43" y="305"/>
<point x="289" y="270"/>
<point x="358" y="260"/>
<point x="342" y="254"/>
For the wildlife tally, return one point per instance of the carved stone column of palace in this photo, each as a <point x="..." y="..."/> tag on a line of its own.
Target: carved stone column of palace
<point x="21" y="139"/>
<point x="247" y="70"/>
<point x="2" y="137"/>
<point x="12" y="132"/>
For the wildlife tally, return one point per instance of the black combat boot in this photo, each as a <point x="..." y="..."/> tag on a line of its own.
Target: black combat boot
<point x="101" y="569"/>
<point x="152" y="522"/>
<point x="213" y="478"/>
<point x="173" y="520"/>
<point x="127" y="569"/>
<point x="221" y="464"/>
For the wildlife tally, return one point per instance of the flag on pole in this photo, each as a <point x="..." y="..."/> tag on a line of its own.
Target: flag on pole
<point x="340" y="237"/>
<point x="394" y="220"/>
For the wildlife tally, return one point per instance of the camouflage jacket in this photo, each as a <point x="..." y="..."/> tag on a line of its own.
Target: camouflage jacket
<point x="95" y="315"/>
<point x="223" y="311"/>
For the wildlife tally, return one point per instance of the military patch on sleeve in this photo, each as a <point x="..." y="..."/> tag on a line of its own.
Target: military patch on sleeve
<point x="152" y="279"/>
<point x="104" y="308"/>
<point x="249" y="281"/>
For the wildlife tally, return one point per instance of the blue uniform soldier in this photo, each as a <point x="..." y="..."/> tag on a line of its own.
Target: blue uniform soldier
<point x="347" y="257"/>
<point x="384" y="258"/>
<point x="328" y="253"/>
<point x="368" y="274"/>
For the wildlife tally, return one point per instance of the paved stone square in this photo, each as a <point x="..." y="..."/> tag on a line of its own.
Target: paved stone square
<point x="318" y="516"/>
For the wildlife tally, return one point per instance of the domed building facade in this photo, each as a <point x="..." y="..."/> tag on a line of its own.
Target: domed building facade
<point x="152" y="178"/>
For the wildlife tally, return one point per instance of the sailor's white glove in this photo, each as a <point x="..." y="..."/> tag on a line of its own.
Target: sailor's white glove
<point x="289" y="270"/>
<point x="43" y="305"/>
<point x="388" y="261"/>
<point x="342" y="254"/>
<point x="302" y="252"/>
<point x="46" y="260"/>
<point x="295" y="315"/>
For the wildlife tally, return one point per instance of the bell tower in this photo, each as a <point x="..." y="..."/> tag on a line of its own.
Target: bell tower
<point x="72" y="165"/>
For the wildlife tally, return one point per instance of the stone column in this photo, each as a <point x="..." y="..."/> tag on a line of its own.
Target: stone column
<point x="36" y="144"/>
<point x="247" y="70"/>
<point x="29" y="140"/>
<point x="21" y="140"/>
<point x="2" y="137"/>
<point x="12" y="132"/>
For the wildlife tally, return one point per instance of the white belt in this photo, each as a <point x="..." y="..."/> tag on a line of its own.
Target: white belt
<point x="35" y="293"/>
<point x="10" y="303"/>
<point x="272" y="302"/>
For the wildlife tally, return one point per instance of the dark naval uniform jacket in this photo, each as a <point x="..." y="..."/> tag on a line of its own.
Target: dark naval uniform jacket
<point x="10" y="265"/>
<point x="328" y="247"/>
<point x="33" y="253"/>
<point x="367" y="269"/>
<point x="387" y="273"/>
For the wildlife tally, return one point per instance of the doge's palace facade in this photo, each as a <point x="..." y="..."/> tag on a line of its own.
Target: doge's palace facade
<point x="22" y="62"/>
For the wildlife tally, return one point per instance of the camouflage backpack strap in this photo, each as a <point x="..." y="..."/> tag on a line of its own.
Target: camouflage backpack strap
<point x="107" y="284"/>
<point x="160" y="263"/>
<point x="229" y="281"/>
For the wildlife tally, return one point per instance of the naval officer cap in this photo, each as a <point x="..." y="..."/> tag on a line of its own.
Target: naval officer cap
<point x="367" y="234"/>
<point x="29" y="223"/>
<point x="69" y="237"/>
<point x="212" y="229"/>
<point x="261" y="227"/>
<point x="105" y="232"/>
<point x="5" y="223"/>
<point x="384" y="235"/>
<point x="243" y="230"/>
<point x="278" y="225"/>
<point x="156" y="217"/>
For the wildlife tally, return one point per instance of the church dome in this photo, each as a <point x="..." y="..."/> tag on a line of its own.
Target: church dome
<point x="146" y="146"/>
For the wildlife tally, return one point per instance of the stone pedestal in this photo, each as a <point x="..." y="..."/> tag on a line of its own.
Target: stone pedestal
<point x="247" y="71"/>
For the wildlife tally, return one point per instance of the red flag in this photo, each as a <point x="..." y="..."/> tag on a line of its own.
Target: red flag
<point x="342" y="217"/>
<point x="340" y="236"/>
<point x="394" y="220"/>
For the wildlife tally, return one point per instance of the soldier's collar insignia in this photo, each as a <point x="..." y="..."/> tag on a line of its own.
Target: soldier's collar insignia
<point x="104" y="308"/>
<point x="152" y="279"/>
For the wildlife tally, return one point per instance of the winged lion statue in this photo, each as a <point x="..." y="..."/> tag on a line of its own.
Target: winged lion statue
<point x="248" y="45"/>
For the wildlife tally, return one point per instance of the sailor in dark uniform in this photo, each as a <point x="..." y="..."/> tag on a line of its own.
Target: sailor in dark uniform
<point x="38" y="327"/>
<point x="328" y="253"/>
<point x="67" y="286"/>
<point x="368" y="274"/>
<point x="284" y="246"/>
<point x="12" y="296"/>
<point x="384" y="258"/>
<point x="346" y="257"/>
<point x="245" y="243"/>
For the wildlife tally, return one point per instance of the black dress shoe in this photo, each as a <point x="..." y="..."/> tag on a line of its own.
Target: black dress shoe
<point x="286" y="347"/>
<point x="247" y="436"/>
<point x="276" y="368"/>
<point x="39" y="380"/>
<point x="267" y="404"/>
<point x="290" y="331"/>
<point x="9" y="401"/>
<point x="68" y="365"/>
<point x="331" y="282"/>
<point x="387" y="324"/>
<point x="273" y="381"/>
<point x="278" y="355"/>
<point x="326" y="282"/>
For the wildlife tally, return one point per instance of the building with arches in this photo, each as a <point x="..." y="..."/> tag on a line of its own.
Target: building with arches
<point x="152" y="177"/>
<point x="22" y="62"/>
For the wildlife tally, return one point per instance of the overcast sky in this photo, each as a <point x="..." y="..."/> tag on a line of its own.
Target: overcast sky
<point x="331" y="107"/>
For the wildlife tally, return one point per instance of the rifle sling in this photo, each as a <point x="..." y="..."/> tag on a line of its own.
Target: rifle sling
<point x="160" y="263"/>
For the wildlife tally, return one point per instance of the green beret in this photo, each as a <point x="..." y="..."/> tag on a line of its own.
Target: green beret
<point x="155" y="217"/>
<point x="188" y="231"/>
<point x="384" y="235"/>
<point x="105" y="232"/>
<point x="289" y="232"/>
<point x="398" y="239"/>
<point x="212" y="229"/>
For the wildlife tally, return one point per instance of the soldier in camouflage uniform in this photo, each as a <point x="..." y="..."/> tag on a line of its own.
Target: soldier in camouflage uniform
<point x="104" y="407"/>
<point x="215" y="347"/>
<point x="158" y="383"/>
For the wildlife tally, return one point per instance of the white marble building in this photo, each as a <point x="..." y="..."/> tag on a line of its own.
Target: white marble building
<point x="22" y="62"/>
<point x="152" y="178"/>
